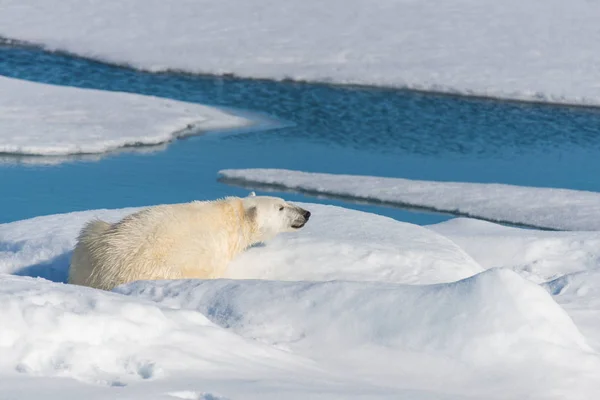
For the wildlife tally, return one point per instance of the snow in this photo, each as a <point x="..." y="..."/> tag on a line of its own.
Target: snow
<point x="579" y="294"/>
<point x="537" y="255"/>
<point x="43" y="119"/>
<point x="314" y="316"/>
<point x="549" y="208"/>
<point x="567" y="264"/>
<point x="342" y="244"/>
<point x="540" y="50"/>
<point x="373" y="248"/>
<point x="42" y="246"/>
<point x="493" y="321"/>
<point x="111" y="341"/>
<point x="62" y="330"/>
<point x="354" y="305"/>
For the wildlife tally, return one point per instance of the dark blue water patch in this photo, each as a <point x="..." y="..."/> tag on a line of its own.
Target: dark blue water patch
<point x="382" y="120"/>
<point x="394" y="133"/>
<point x="186" y="171"/>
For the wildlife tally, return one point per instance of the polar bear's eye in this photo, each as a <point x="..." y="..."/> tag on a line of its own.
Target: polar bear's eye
<point x="280" y="208"/>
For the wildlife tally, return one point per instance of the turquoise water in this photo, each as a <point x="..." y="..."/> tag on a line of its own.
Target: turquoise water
<point x="334" y="129"/>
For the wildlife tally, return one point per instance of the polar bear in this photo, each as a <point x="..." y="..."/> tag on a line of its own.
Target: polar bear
<point x="178" y="241"/>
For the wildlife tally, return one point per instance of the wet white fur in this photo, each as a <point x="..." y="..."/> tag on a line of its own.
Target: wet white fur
<point x="177" y="241"/>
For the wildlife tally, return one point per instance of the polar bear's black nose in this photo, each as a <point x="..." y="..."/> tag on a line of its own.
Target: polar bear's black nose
<point x="306" y="215"/>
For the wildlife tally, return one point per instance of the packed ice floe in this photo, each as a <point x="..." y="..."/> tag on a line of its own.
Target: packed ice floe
<point x="548" y="208"/>
<point x="541" y="50"/>
<point x="355" y="305"/>
<point x="42" y="119"/>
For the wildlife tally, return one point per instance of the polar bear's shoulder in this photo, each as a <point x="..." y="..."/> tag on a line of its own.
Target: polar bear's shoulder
<point x="229" y="210"/>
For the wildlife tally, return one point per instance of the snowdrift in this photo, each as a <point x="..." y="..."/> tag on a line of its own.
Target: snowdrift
<point x="493" y="314"/>
<point x="50" y="329"/>
<point x="540" y="256"/>
<point x="344" y="244"/>
<point x="579" y="294"/>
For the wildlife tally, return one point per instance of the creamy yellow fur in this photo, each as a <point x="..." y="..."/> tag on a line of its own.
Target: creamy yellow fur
<point x="191" y="240"/>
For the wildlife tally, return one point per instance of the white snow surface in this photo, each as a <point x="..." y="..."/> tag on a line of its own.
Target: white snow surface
<point x="548" y="208"/>
<point x="315" y="317"/>
<point x="566" y="263"/>
<point x="103" y="338"/>
<point x="495" y="321"/>
<point x="354" y="305"/>
<point x="42" y="119"/>
<point x="537" y="255"/>
<point x="541" y="50"/>
<point x="579" y="294"/>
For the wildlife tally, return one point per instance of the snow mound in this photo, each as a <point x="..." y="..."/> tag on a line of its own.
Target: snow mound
<point x="579" y="294"/>
<point x="493" y="314"/>
<point x="539" y="50"/>
<point x="579" y="284"/>
<point x="42" y="246"/>
<point x="537" y="255"/>
<point x="539" y="207"/>
<point x="337" y="243"/>
<point x="344" y="244"/>
<point x="44" y="119"/>
<point x="51" y="329"/>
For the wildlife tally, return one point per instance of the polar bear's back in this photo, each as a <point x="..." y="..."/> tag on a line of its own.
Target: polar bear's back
<point x="191" y="240"/>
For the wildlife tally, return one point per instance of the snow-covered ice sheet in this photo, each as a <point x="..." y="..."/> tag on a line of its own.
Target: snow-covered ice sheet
<point x="542" y="50"/>
<point x="539" y="207"/>
<point x="35" y="160"/>
<point x="331" y="312"/>
<point x="44" y="119"/>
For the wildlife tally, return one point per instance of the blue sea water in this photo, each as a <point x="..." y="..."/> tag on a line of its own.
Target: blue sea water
<point x="353" y="130"/>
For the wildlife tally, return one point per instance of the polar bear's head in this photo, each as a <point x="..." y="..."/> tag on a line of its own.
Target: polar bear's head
<point x="273" y="215"/>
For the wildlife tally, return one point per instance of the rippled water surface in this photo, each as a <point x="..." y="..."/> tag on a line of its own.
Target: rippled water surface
<point x="327" y="129"/>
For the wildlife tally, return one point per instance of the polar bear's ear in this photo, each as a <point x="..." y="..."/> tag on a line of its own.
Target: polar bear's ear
<point x="252" y="194"/>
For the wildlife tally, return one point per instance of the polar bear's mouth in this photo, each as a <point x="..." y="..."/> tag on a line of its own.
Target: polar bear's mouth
<point x="298" y="225"/>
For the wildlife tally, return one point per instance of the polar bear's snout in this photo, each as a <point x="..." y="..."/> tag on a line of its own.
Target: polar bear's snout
<point x="301" y="218"/>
